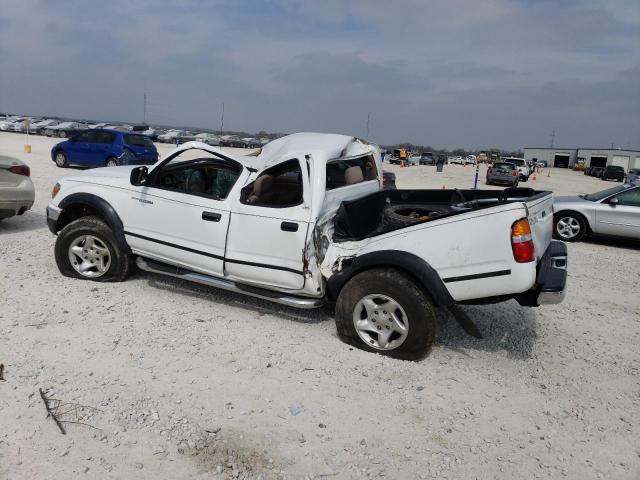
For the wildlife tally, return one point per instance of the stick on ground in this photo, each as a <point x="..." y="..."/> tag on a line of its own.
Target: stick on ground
<point x="50" y="413"/>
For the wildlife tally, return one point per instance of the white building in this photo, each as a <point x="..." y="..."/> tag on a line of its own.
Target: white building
<point x="596" y="157"/>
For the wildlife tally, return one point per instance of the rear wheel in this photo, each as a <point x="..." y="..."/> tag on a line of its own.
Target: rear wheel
<point x="88" y="249"/>
<point x="385" y="311"/>
<point x="568" y="226"/>
<point x="63" y="134"/>
<point x="112" y="162"/>
<point x="61" y="159"/>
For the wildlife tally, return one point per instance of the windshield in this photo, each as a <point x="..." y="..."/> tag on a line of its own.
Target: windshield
<point x="515" y="161"/>
<point x="594" y="197"/>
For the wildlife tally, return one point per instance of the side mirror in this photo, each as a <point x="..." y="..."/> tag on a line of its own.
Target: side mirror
<point x="139" y="176"/>
<point x="613" y="201"/>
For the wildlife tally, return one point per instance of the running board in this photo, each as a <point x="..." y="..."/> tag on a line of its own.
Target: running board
<point x="277" y="297"/>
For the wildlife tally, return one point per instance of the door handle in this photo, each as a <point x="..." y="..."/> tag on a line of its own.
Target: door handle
<point x="289" y="227"/>
<point x="211" y="216"/>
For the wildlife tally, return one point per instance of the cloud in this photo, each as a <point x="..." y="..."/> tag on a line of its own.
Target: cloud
<point x="443" y="72"/>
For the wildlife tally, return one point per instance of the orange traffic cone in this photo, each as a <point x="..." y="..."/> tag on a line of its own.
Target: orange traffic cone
<point x="401" y="163"/>
<point x="549" y="173"/>
<point x="534" y="178"/>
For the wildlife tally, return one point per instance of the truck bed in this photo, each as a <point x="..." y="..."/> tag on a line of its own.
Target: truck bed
<point x="363" y="218"/>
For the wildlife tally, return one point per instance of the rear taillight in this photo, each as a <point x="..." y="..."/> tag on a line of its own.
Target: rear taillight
<point x="513" y="174"/>
<point x="522" y="242"/>
<point x="20" y="170"/>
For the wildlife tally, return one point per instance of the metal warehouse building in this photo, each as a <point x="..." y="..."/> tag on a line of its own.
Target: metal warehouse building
<point x="595" y="157"/>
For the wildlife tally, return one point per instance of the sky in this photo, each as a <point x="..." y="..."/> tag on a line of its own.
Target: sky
<point x="445" y="73"/>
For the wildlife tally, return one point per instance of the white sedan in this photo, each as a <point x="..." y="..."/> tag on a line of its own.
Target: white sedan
<point x="16" y="188"/>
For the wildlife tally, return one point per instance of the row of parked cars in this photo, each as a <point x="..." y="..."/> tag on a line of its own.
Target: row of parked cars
<point x="610" y="172"/>
<point x="67" y="129"/>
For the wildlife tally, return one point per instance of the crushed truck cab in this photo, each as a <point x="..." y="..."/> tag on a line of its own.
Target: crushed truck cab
<point x="306" y="222"/>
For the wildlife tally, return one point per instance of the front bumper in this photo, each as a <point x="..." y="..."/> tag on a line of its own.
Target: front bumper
<point x="53" y="213"/>
<point x="551" y="278"/>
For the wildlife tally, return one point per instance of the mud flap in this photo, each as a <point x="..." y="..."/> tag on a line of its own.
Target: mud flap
<point x="464" y="321"/>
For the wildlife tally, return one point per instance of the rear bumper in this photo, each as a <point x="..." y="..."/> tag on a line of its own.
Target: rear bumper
<point x="551" y="278"/>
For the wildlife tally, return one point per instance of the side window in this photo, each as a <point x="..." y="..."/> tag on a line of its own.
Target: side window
<point x="202" y="177"/>
<point x="104" y="137"/>
<point x="630" y="198"/>
<point x="344" y="172"/>
<point x="84" y="137"/>
<point x="276" y="187"/>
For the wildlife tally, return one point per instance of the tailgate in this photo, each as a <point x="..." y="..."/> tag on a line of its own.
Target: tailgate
<point x="540" y="216"/>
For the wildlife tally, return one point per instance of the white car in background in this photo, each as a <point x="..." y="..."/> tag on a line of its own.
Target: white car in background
<point x="170" y="136"/>
<point x="17" y="193"/>
<point x="208" y="138"/>
<point x="522" y="166"/>
<point x="8" y="124"/>
<point x="38" y="127"/>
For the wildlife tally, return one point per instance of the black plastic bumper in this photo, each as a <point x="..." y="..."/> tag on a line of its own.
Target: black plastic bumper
<point x="551" y="280"/>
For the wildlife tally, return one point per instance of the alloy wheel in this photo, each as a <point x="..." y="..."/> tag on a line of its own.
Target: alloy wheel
<point x="89" y="256"/>
<point x="568" y="227"/>
<point x="380" y="322"/>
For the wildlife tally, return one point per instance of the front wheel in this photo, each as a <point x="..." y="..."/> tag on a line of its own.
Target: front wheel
<point x="384" y="311"/>
<point x="88" y="249"/>
<point x="112" y="162"/>
<point x="61" y="159"/>
<point x="569" y="227"/>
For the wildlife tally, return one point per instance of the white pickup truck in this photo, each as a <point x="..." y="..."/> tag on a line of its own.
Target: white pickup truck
<point x="307" y="223"/>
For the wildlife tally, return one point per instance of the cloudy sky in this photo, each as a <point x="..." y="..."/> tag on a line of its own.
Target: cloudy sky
<point x="446" y="73"/>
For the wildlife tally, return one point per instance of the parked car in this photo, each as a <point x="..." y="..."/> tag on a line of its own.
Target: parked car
<point x="427" y="158"/>
<point x="414" y="159"/>
<point x="541" y="163"/>
<point x="8" y="124"/>
<point x="17" y="193"/>
<point x="613" y="172"/>
<point x="170" y="136"/>
<point x="208" y="138"/>
<point x="521" y="165"/>
<point x="64" y="129"/>
<point x="615" y="211"/>
<point x="100" y="147"/>
<point x="37" y="128"/>
<point x="633" y="176"/>
<point x="307" y="222"/>
<point x="503" y="173"/>
<point x="596" y="171"/>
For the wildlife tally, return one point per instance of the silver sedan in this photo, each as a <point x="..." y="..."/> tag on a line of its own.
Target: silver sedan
<point x="16" y="189"/>
<point x="615" y="211"/>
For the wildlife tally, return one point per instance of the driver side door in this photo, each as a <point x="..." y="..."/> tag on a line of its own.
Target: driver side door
<point x="182" y="216"/>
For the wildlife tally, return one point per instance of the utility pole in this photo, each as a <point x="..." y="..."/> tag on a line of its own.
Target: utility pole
<point x="144" y="109"/>
<point x="368" y="120"/>
<point x="222" y="119"/>
<point x="553" y="138"/>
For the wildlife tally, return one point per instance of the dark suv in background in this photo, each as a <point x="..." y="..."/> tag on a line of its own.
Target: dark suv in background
<point x="613" y="172"/>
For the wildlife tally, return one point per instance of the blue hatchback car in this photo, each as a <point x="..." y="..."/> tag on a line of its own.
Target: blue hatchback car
<point x="101" y="147"/>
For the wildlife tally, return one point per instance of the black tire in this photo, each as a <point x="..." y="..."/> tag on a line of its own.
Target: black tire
<point x="121" y="261"/>
<point x="398" y="216"/>
<point x="418" y="307"/>
<point x="568" y="217"/>
<point x="63" y="134"/>
<point x="61" y="159"/>
<point x="111" y="162"/>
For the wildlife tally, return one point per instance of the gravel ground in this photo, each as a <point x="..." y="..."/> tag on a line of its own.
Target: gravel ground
<point x="174" y="380"/>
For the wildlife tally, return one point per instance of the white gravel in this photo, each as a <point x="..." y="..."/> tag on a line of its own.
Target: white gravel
<point x="190" y="382"/>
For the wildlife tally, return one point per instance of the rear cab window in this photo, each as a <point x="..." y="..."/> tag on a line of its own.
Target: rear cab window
<point x="350" y="171"/>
